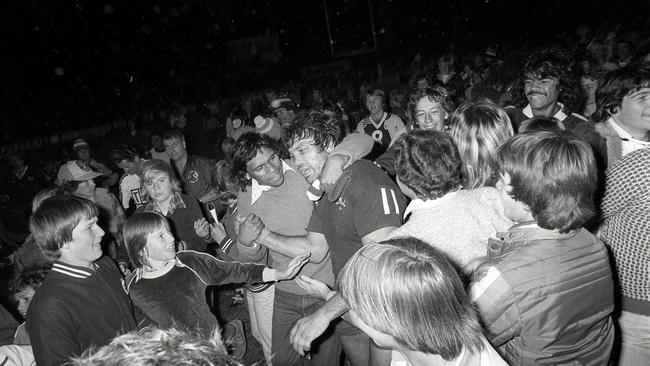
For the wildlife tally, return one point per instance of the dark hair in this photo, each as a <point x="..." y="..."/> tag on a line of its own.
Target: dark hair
<point x="615" y="85"/>
<point x="554" y="173"/>
<point x="136" y="231"/>
<point x="174" y="133"/>
<point x="228" y="145"/>
<point x="409" y="290"/>
<point x="428" y="163"/>
<point x="32" y="278"/>
<point x="541" y="123"/>
<point x="324" y="130"/>
<point x="123" y="152"/>
<point x="558" y="63"/>
<point x="245" y="149"/>
<point x="374" y="92"/>
<point x="54" y="220"/>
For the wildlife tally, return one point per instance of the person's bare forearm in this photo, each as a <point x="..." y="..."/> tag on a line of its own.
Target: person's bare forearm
<point x="291" y="246"/>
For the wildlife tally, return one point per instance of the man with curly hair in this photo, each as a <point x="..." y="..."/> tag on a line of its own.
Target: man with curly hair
<point x="549" y="76"/>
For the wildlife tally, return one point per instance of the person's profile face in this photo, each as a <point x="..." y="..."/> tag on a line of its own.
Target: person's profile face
<point x="85" y="246"/>
<point x="86" y="188"/>
<point x="161" y="245"/>
<point x="308" y="158"/>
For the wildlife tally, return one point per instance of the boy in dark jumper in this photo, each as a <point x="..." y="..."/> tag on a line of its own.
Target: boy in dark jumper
<point x="82" y="302"/>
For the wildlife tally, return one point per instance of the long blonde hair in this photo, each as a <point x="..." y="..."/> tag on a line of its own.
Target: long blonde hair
<point x="478" y="129"/>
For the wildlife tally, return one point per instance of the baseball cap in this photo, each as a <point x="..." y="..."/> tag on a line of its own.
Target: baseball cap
<point x="72" y="171"/>
<point x="283" y="102"/>
<point x="79" y="143"/>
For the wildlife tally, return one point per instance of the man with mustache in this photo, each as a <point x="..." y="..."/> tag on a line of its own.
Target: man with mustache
<point x="548" y="77"/>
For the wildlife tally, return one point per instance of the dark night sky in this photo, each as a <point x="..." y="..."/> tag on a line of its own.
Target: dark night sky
<point x="66" y="60"/>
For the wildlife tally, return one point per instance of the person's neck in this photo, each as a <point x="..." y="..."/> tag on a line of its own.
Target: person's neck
<point x="377" y="116"/>
<point x="180" y="164"/>
<point x="639" y="134"/>
<point x="164" y="204"/>
<point x="77" y="262"/>
<point x="416" y="358"/>
<point x="157" y="268"/>
<point x="546" y="111"/>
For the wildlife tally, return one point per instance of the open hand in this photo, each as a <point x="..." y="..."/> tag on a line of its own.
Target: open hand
<point x="202" y="227"/>
<point x="293" y="267"/>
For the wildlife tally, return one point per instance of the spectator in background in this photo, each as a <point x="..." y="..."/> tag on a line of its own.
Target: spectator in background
<point x="82" y="301"/>
<point x="129" y="161"/>
<point x="383" y="127"/>
<point x="626" y="231"/>
<point x="552" y="89"/>
<point x="285" y="109"/>
<point x="408" y="297"/>
<point x="162" y="191"/>
<point x="478" y="129"/>
<point x="21" y="186"/>
<point x="193" y="171"/>
<point x="158" y="150"/>
<point x="547" y="183"/>
<point x="430" y="109"/>
<point x="23" y="287"/>
<point x="398" y="103"/>
<point x="76" y="180"/>
<point x="86" y="162"/>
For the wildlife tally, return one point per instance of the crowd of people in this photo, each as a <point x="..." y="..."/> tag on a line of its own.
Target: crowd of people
<point x="472" y="216"/>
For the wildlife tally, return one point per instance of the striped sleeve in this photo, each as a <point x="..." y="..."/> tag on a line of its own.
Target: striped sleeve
<point x="496" y="305"/>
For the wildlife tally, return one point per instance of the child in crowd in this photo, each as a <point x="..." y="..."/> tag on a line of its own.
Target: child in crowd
<point x="81" y="301"/>
<point x="408" y="297"/>
<point x="545" y="293"/>
<point x="23" y="287"/>
<point x="169" y="286"/>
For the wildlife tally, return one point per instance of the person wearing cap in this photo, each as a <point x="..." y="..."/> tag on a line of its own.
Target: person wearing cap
<point x="78" y="180"/>
<point x="548" y="78"/>
<point x="82" y="150"/>
<point x="268" y="126"/>
<point x="284" y="108"/>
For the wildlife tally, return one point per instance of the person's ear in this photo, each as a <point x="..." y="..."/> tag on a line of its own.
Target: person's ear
<point x="248" y="176"/>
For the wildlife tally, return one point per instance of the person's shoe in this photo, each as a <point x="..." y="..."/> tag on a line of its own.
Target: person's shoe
<point x="235" y="338"/>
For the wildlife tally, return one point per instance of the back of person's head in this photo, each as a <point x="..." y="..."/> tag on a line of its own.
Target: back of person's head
<point x="228" y="145"/>
<point x="245" y="149"/>
<point x="153" y="168"/>
<point x="617" y="84"/>
<point x="136" y="231"/>
<point x="159" y="347"/>
<point x="123" y="152"/>
<point x="224" y="182"/>
<point x="541" y="123"/>
<point x="324" y="131"/>
<point x="409" y="290"/>
<point x="554" y="173"/>
<point x="427" y="162"/>
<point x="54" y="220"/>
<point x="478" y="129"/>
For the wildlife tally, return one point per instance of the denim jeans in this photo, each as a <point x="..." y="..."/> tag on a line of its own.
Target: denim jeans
<point x="635" y="337"/>
<point x="260" y="311"/>
<point x="288" y="308"/>
<point x="356" y="343"/>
